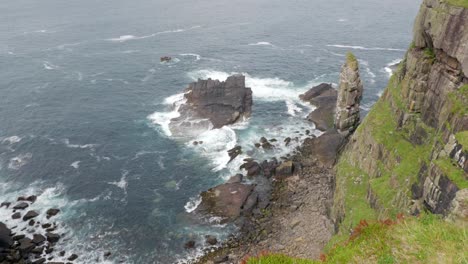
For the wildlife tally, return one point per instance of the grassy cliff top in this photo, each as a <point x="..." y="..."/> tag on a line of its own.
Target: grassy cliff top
<point x="351" y="61"/>
<point x="461" y="3"/>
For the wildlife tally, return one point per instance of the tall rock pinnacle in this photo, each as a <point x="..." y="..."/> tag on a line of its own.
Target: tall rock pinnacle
<point x="349" y="97"/>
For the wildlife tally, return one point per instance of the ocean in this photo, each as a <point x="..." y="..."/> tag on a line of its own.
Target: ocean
<point x="85" y="103"/>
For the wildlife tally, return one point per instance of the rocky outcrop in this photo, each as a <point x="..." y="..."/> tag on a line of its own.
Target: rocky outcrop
<point x="350" y="89"/>
<point x="213" y="104"/>
<point x="324" y="98"/>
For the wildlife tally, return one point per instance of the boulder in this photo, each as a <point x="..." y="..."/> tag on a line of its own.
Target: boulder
<point x="5" y="236"/>
<point x="211" y="240"/>
<point x="323" y="97"/>
<point x="324" y="148"/>
<point x="52" y="212"/>
<point x="6" y="204"/>
<point x="225" y="200"/>
<point x="16" y="215"/>
<point x="52" y="238"/>
<point x="219" y="103"/>
<point x="31" y="198"/>
<point x="30" y="215"/>
<point x="38" y="238"/>
<point x="26" y="245"/>
<point x="72" y="257"/>
<point x="234" y="152"/>
<point x="21" y="206"/>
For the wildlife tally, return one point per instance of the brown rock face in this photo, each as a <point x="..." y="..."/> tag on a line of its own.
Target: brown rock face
<point x="323" y="97"/>
<point x="220" y="103"/>
<point x="225" y="200"/>
<point x="347" y="116"/>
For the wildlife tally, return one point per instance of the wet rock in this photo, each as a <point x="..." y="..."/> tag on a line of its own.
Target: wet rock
<point x="30" y="215"/>
<point x="31" y="222"/>
<point x="287" y="141"/>
<point x="258" y="145"/>
<point x="324" y="98"/>
<point x="252" y="168"/>
<point x="267" y="145"/>
<point x="72" y="257"/>
<point x="225" y="200"/>
<point x="37" y="250"/>
<point x="38" y="238"/>
<point x="189" y="244"/>
<point x="52" y="238"/>
<point x="165" y="59"/>
<point x="5" y="238"/>
<point x="211" y="240"/>
<point x="16" y="215"/>
<point x="49" y="250"/>
<point x="234" y="152"/>
<point x="39" y="261"/>
<point x="6" y="204"/>
<point x="26" y="245"/>
<point x="62" y="253"/>
<point x="52" y="212"/>
<point x="107" y="254"/>
<point x="18" y="237"/>
<point x="195" y="143"/>
<point x="46" y="225"/>
<point x="20" y="206"/>
<point x="31" y="198"/>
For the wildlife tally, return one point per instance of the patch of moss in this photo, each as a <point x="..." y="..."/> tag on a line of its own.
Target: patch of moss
<point x="352" y="61"/>
<point x="278" y="259"/>
<point x="462" y="138"/>
<point x="453" y="172"/>
<point x="460" y="3"/>
<point x="459" y="99"/>
<point x="430" y="54"/>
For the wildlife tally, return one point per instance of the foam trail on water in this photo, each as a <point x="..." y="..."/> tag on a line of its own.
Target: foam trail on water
<point x="197" y="57"/>
<point x="19" y="161"/>
<point x="388" y="68"/>
<point x="362" y="48"/>
<point x="192" y="204"/>
<point x="163" y="119"/>
<point x="261" y="43"/>
<point x="49" y="66"/>
<point x="125" y="38"/>
<point x="12" y="140"/>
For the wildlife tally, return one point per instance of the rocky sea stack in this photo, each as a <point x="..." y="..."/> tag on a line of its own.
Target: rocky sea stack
<point x="214" y="104"/>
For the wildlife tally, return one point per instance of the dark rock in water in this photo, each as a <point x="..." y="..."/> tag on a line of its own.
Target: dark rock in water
<point x="31" y="222"/>
<point x="38" y="238"/>
<point x="5" y="239"/>
<point x="324" y="98"/>
<point x="52" y="212"/>
<point x="107" y="254"/>
<point x="52" y="238"/>
<point x="6" y="204"/>
<point x="211" y="240"/>
<point x="287" y="141"/>
<point x="18" y="237"/>
<point x="62" y="253"/>
<point x="267" y="145"/>
<point x="189" y="244"/>
<point x="16" y="215"/>
<point x="269" y="167"/>
<point x="39" y="261"/>
<point x="222" y="103"/>
<point x="236" y="178"/>
<point x="257" y="145"/>
<point x="31" y="198"/>
<point x="252" y="168"/>
<point x="273" y="140"/>
<point x="21" y="198"/>
<point x="234" y="152"/>
<point x="46" y="225"/>
<point x="225" y="200"/>
<point x="72" y="257"/>
<point x="30" y="215"/>
<point x="37" y="250"/>
<point x="49" y="250"/>
<point x="26" y="245"/>
<point x="263" y="140"/>
<point x="21" y="206"/>
<point x="285" y="169"/>
<point x="165" y="59"/>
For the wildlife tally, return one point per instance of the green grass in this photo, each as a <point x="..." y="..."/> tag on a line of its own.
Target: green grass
<point x="352" y="61"/>
<point x="459" y="99"/>
<point x="462" y="138"/>
<point x="461" y="3"/>
<point x="279" y="259"/>
<point x="453" y="172"/>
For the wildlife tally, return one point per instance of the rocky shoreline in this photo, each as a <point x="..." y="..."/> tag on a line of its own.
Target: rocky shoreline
<point x="287" y="210"/>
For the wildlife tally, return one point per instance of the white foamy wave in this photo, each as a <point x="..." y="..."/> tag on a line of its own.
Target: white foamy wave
<point x="192" y="204"/>
<point x="293" y="109"/>
<point x="85" y="146"/>
<point x="49" y="66"/>
<point x="363" y="48"/>
<point x="125" y="38"/>
<point x="388" y="68"/>
<point x="76" y="164"/>
<point x="12" y="140"/>
<point x="261" y="43"/>
<point x="197" y="57"/>
<point x="122" y="183"/>
<point x="163" y="119"/>
<point x="268" y="89"/>
<point x="216" y="143"/>
<point x="19" y="161"/>
<point x="342" y="20"/>
<point x="368" y="70"/>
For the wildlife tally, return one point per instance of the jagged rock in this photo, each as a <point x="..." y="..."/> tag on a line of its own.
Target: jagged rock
<point x="219" y="103"/>
<point x="38" y="238"/>
<point x="324" y="148"/>
<point x="16" y="215"/>
<point x="350" y="89"/>
<point x="31" y="198"/>
<point x="52" y="212"/>
<point x="323" y="97"/>
<point x="39" y="261"/>
<point x="5" y="238"/>
<point x="52" y="238"/>
<point x="269" y="167"/>
<point x="252" y="167"/>
<point x="21" y="206"/>
<point x="287" y="141"/>
<point x="6" y="204"/>
<point x="234" y="152"/>
<point x="211" y="240"/>
<point x="165" y="59"/>
<point x="30" y="215"/>
<point x="236" y="178"/>
<point x="18" y="237"/>
<point x="72" y="257"/>
<point x="26" y="245"/>
<point x="225" y="200"/>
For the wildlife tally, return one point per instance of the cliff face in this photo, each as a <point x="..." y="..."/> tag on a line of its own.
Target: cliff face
<point x="411" y="151"/>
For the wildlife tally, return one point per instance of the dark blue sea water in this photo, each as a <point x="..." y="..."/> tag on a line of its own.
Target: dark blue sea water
<point x="84" y="103"/>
